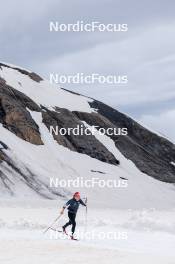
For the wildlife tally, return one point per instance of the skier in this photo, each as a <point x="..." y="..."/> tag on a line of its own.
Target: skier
<point x="72" y="205"/>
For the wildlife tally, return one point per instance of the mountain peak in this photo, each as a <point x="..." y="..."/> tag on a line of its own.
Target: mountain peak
<point x="31" y="106"/>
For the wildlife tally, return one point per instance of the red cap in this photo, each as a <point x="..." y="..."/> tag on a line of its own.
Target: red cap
<point x="76" y="194"/>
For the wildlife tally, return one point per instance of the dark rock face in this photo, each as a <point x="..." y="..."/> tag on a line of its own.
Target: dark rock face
<point x="151" y="153"/>
<point x="3" y="145"/>
<point x="2" y="81"/>
<point x="85" y="144"/>
<point x="50" y="120"/>
<point x="146" y="138"/>
<point x="15" y="117"/>
<point x="70" y="91"/>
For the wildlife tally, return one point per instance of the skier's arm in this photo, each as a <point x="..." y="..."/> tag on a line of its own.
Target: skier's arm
<point x="82" y="203"/>
<point x="64" y="206"/>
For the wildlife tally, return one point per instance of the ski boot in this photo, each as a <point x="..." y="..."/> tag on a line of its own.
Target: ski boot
<point x="64" y="230"/>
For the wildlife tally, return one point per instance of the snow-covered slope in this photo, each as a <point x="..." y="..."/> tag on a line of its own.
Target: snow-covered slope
<point x="43" y="93"/>
<point x="28" y="105"/>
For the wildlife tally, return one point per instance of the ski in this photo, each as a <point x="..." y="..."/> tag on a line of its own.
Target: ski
<point x="60" y="231"/>
<point x="57" y="230"/>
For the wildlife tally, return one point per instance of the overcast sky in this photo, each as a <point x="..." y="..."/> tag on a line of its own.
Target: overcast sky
<point x="146" y="53"/>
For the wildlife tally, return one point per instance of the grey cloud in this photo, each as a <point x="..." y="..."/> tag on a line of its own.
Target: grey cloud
<point x="145" y="53"/>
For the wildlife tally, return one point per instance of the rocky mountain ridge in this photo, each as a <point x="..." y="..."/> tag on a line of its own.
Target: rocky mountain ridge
<point x="152" y="154"/>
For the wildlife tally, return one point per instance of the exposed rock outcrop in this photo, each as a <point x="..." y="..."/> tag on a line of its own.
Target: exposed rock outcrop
<point x="15" y="117"/>
<point x="85" y="144"/>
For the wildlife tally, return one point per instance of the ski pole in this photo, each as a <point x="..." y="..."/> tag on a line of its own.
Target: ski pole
<point x="52" y="223"/>
<point x="86" y="215"/>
